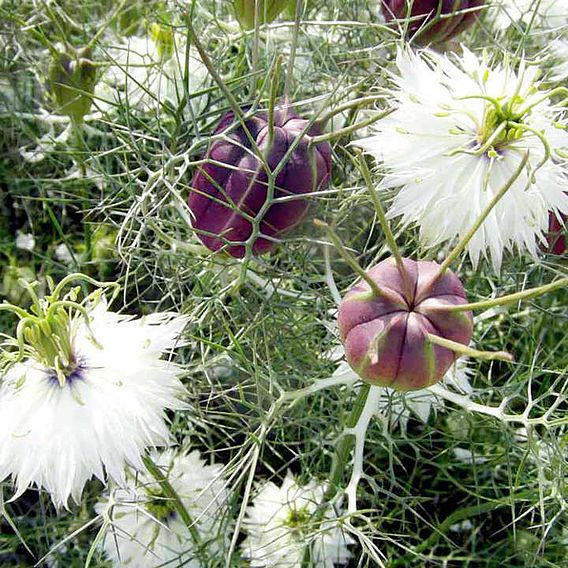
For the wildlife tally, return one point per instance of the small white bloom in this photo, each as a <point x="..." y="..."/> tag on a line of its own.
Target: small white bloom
<point x="147" y="531"/>
<point x="143" y="76"/>
<point x="559" y="55"/>
<point x="464" y="526"/>
<point x="458" y="133"/>
<point x="25" y="241"/>
<point x="541" y="15"/>
<point x="63" y="254"/>
<point x="281" y="528"/>
<point x="108" y="410"/>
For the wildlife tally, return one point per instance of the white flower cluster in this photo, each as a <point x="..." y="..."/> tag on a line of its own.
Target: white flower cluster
<point x="458" y="134"/>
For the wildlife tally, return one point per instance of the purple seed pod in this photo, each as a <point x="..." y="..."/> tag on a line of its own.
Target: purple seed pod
<point x="230" y="192"/>
<point x="427" y="24"/>
<point x="385" y="337"/>
<point x="556" y="237"/>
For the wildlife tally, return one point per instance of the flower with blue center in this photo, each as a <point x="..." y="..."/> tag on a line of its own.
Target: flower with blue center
<point x="84" y="392"/>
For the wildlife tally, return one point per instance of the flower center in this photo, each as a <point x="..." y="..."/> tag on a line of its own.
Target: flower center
<point x="159" y="505"/>
<point x="45" y="333"/>
<point x="502" y="124"/>
<point x="297" y="520"/>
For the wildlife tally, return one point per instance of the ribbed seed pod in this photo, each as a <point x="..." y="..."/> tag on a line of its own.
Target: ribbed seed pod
<point x="386" y="336"/>
<point x="231" y="194"/>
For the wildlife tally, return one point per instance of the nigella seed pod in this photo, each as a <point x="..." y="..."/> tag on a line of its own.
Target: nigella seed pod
<point x="386" y="336"/>
<point x="432" y="21"/>
<point x="71" y="81"/>
<point x="268" y="10"/>
<point x="231" y="196"/>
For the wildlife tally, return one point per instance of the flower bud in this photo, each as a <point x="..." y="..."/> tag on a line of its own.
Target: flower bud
<point x="163" y="37"/>
<point x="386" y="336"/>
<point x="230" y="193"/>
<point x="71" y="82"/>
<point x="268" y="10"/>
<point x="427" y="24"/>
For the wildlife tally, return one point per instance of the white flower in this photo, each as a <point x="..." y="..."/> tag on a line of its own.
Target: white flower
<point x="541" y="15"/>
<point x="143" y="75"/>
<point x="146" y="529"/>
<point x="25" y="241"/>
<point x="457" y="135"/>
<point x="281" y="528"/>
<point x="559" y="53"/>
<point x="57" y="433"/>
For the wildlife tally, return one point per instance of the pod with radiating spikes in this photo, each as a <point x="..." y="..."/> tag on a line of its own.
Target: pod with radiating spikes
<point x="386" y="335"/>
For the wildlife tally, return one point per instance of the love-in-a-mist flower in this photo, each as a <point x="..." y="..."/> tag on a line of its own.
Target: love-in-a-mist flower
<point x="146" y="528"/>
<point x="458" y="134"/>
<point x="282" y="528"/>
<point x="84" y="390"/>
<point x="147" y="72"/>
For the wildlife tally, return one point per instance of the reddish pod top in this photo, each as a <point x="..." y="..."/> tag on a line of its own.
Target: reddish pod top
<point x="432" y="21"/>
<point x="386" y="337"/>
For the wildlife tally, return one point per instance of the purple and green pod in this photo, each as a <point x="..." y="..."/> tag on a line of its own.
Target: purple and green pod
<point x="432" y="21"/>
<point x="386" y="336"/>
<point x="268" y="10"/>
<point x="230" y="193"/>
<point x="72" y="77"/>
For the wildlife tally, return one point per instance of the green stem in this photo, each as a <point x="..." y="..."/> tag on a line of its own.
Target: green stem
<point x="349" y="258"/>
<point x="290" y="69"/>
<point x="345" y="445"/>
<point x="459" y="248"/>
<point x="355" y="103"/>
<point x="504" y="300"/>
<point x="408" y="289"/>
<point x="170" y="493"/>
<point x="349" y="129"/>
<point x="466" y="351"/>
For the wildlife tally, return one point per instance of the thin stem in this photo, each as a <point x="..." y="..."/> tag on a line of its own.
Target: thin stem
<point x="460" y="247"/>
<point x="348" y="257"/>
<point x="349" y="129"/>
<point x="385" y="226"/>
<point x="504" y="300"/>
<point x="349" y="105"/>
<point x="345" y="445"/>
<point x="466" y="351"/>
<point x="106" y="24"/>
<point x="272" y="98"/>
<point x="170" y="493"/>
<point x="290" y="69"/>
